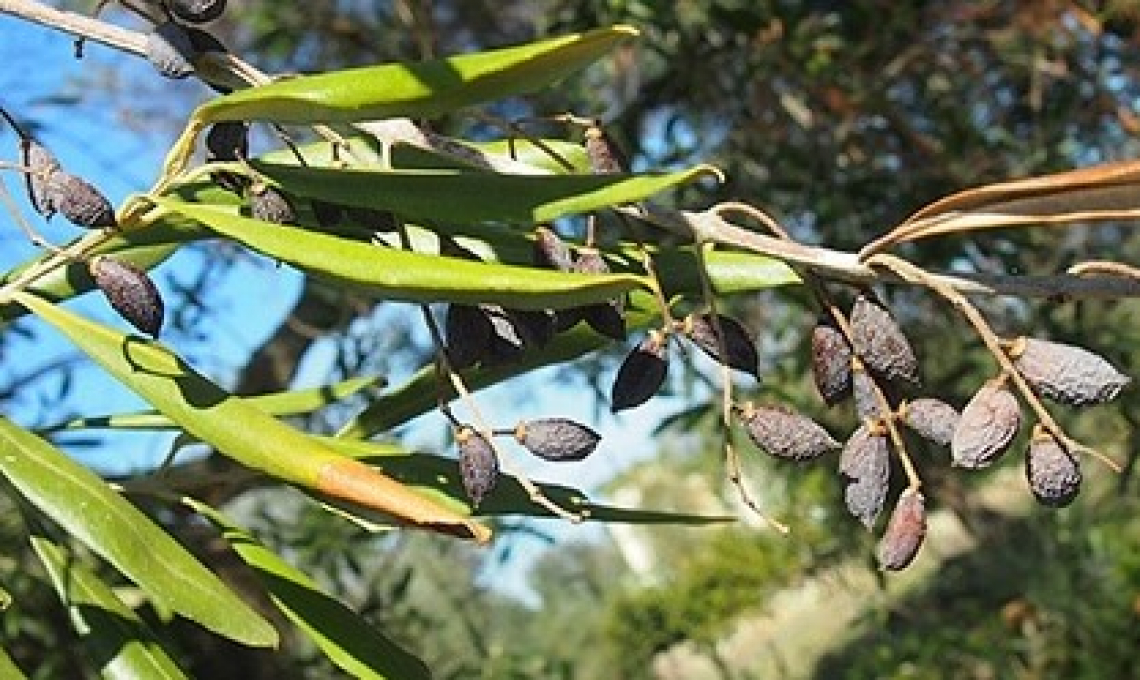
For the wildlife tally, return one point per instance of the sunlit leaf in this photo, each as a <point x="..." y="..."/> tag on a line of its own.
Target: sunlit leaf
<point x="418" y="89"/>
<point x="80" y="502"/>
<point x="241" y="431"/>
<point x="8" y="668"/>
<point x="402" y="275"/>
<point x="344" y="637"/>
<point x="113" y="635"/>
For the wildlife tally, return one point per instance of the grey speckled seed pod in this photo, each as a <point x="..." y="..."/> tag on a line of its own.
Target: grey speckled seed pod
<point x="641" y="374"/>
<point x="605" y="157"/>
<point x="268" y="204"/>
<point x="79" y="201"/>
<point x="865" y="393"/>
<point x="1065" y="373"/>
<point x="170" y="50"/>
<point x="197" y="11"/>
<point x="550" y="251"/>
<point x="785" y="434"/>
<point x="932" y="419"/>
<point x="43" y="165"/>
<point x="478" y="465"/>
<point x="830" y="361"/>
<point x="879" y="341"/>
<point x="866" y="463"/>
<point x="557" y="439"/>
<point x="130" y="291"/>
<point x="905" y="531"/>
<point x="1054" y="475"/>
<point x="986" y="428"/>
<point x="739" y="349"/>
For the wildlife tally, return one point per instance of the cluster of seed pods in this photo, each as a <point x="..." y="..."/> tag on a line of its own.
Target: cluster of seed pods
<point x="51" y="190"/>
<point x="874" y="365"/>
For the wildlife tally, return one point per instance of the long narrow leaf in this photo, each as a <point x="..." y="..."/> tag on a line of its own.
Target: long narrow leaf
<point x="79" y="501"/>
<point x="473" y="197"/>
<point x="344" y="637"/>
<point x="291" y="403"/>
<point x="116" y="639"/>
<point x="242" y="431"/>
<point x="416" y="90"/>
<point x="408" y="276"/>
<point x="8" y="668"/>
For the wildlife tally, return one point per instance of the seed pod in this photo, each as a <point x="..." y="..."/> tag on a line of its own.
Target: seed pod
<point x="197" y="11"/>
<point x="607" y="318"/>
<point x="864" y="390"/>
<point x="785" y="434"/>
<point x="932" y="419"/>
<point x="79" y="201"/>
<point x="605" y="158"/>
<point x="478" y="465"/>
<point x="130" y="291"/>
<point x="508" y="339"/>
<point x="739" y="351"/>
<point x="170" y="50"/>
<point x="987" y="427"/>
<point x="1065" y="373"/>
<point x="467" y="334"/>
<point x="550" y="251"/>
<point x="830" y="361"/>
<point x="641" y="374"/>
<point x="373" y="220"/>
<point x="43" y="165"/>
<point x="1054" y="475"/>
<point x="268" y="204"/>
<point x="905" y="531"/>
<point x="879" y="341"/>
<point x="557" y="439"/>
<point x="866" y="463"/>
<point x="227" y="141"/>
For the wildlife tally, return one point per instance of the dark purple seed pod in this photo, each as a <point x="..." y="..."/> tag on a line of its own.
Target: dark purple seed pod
<point x="227" y="141"/>
<point x="204" y="41"/>
<point x="373" y="220"/>
<point x="879" y="341"/>
<point x="43" y="165"/>
<point x="605" y="157"/>
<point x="557" y="439"/>
<point x="986" y="428"/>
<point x="508" y="339"/>
<point x="785" y="434"/>
<point x="478" y="464"/>
<point x="830" y="361"/>
<point x="467" y="334"/>
<point x="170" y="50"/>
<point x="197" y="11"/>
<point x="550" y="251"/>
<point x="605" y="318"/>
<point x="931" y="419"/>
<point x="270" y="205"/>
<point x="130" y="291"/>
<point x="641" y="374"/>
<point x="535" y="326"/>
<point x="1054" y="474"/>
<point x="79" y="201"/>
<point x="905" y="531"/>
<point x="1065" y="373"/>
<point x="739" y="351"/>
<point x="866" y="463"/>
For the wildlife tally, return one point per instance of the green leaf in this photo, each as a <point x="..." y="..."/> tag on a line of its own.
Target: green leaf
<point x="472" y="197"/>
<point x="345" y="638"/>
<point x="415" y="277"/>
<point x="242" y="431"/>
<point x="416" y="90"/>
<point x="510" y="498"/>
<point x="116" y="639"/>
<point x="80" y="502"/>
<point x="291" y="403"/>
<point x="8" y="668"/>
